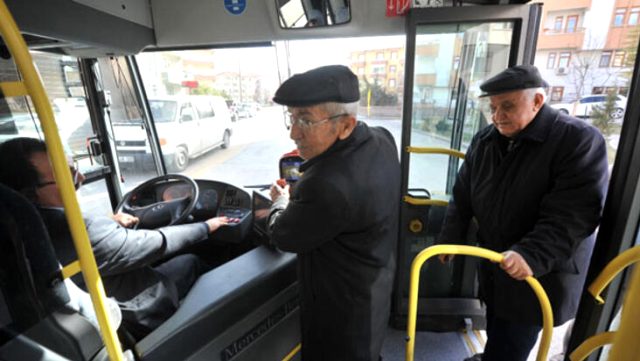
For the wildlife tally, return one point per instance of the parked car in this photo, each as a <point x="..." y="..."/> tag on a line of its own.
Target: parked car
<point x="584" y="107"/>
<point x="187" y="127"/>
<point x="246" y="110"/>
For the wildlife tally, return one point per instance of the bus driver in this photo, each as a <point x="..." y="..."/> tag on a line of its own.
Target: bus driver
<point x="146" y="294"/>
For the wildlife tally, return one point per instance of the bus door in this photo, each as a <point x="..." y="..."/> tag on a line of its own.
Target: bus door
<point x="450" y="52"/>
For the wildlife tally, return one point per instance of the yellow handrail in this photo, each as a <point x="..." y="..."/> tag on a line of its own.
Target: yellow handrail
<point x="425" y="202"/>
<point x="32" y="83"/>
<point x="547" y="314"/>
<point x="435" y="150"/>
<point x="591" y="344"/>
<point x="625" y="339"/>
<point x="614" y="267"/>
<point x="293" y="352"/>
<point x="625" y="342"/>
<point x="430" y="150"/>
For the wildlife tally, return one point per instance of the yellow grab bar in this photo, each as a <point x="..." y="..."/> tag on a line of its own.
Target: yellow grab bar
<point x="591" y="344"/>
<point x="435" y="150"/>
<point x="425" y="202"/>
<point x="547" y="314"/>
<point x="71" y="269"/>
<point x="13" y="89"/>
<point x="430" y="150"/>
<point x="34" y="87"/>
<point x="293" y="352"/>
<point x="614" y="267"/>
<point x="625" y="342"/>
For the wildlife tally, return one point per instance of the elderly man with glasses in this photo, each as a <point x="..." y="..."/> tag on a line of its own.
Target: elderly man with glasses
<point x="534" y="184"/>
<point x="340" y="217"/>
<point x="141" y="269"/>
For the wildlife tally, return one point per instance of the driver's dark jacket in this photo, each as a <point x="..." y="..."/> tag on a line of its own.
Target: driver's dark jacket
<point x="342" y="221"/>
<point x="124" y="258"/>
<point x="541" y="196"/>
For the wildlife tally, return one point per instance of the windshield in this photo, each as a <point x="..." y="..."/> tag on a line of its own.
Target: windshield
<point x="163" y="111"/>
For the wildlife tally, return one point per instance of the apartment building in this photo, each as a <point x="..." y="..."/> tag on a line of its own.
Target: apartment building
<point x="382" y="66"/>
<point x="584" y="46"/>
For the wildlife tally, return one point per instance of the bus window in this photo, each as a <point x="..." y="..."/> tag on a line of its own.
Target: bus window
<point x="243" y="141"/>
<point x="63" y="84"/>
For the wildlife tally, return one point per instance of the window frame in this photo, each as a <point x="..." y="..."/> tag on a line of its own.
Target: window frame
<point x="608" y="54"/>
<point x="552" y="60"/>
<point x="575" y="25"/>
<point x="618" y="17"/>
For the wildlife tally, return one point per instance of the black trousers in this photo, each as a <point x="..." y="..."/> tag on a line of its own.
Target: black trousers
<point x="183" y="270"/>
<point x="507" y="340"/>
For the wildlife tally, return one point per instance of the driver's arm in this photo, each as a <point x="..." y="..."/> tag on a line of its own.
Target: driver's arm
<point x="118" y="249"/>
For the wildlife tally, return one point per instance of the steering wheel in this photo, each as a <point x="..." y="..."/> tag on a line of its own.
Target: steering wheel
<point x="162" y="213"/>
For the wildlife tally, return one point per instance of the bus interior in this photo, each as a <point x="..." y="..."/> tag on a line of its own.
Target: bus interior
<point x="160" y="101"/>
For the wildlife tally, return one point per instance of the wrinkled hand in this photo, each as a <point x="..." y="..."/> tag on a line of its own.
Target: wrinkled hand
<point x="217" y="222"/>
<point x="277" y="191"/>
<point x="515" y="265"/>
<point x="125" y="220"/>
<point x="445" y="258"/>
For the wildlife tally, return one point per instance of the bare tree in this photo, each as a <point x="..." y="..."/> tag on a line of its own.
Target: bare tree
<point x="585" y="68"/>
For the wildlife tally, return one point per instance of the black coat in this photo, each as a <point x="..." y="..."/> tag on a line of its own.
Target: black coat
<point x="342" y="221"/>
<point x="541" y="196"/>
<point x="124" y="258"/>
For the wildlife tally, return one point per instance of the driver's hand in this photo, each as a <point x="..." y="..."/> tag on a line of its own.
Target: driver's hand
<point x="125" y="220"/>
<point x="217" y="222"/>
<point x="277" y="191"/>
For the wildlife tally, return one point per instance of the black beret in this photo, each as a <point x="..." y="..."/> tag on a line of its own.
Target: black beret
<point x="514" y="78"/>
<point x="332" y="83"/>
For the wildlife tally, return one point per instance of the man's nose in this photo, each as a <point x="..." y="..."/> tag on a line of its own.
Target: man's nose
<point x="295" y="132"/>
<point x="498" y="114"/>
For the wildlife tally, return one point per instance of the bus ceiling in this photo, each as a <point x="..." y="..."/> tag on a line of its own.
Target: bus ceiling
<point x="121" y="28"/>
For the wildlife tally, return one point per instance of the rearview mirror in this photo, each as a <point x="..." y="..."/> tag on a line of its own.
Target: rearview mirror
<point x="312" y="13"/>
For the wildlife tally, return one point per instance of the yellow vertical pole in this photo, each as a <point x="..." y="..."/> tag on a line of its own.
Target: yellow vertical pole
<point x="33" y="83"/>
<point x="625" y="342"/>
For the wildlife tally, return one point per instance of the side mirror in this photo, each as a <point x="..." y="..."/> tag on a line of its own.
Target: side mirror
<point x="314" y="13"/>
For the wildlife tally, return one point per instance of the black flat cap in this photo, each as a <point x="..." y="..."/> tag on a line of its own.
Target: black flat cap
<point x="332" y="83"/>
<point x="515" y="78"/>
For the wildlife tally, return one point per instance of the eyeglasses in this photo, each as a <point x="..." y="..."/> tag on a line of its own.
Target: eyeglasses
<point x="291" y="120"/>
<point x="75" y="174"/>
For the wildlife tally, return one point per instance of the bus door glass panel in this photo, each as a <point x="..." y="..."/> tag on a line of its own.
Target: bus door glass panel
<point x="126" y="124"/>
<point x="450" y="52"/>
<point x="62" y="81"/>
<point x="451" y="61"/>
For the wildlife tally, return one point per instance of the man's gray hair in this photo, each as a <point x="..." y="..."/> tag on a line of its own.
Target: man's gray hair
<point x="531" y="93"/>
<point x="333" y="108"/>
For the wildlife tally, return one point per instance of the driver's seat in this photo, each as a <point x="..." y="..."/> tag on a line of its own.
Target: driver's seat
<point x="35" y="321"/>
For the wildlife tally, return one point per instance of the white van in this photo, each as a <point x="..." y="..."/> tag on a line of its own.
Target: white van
<point x="177" y="120"/>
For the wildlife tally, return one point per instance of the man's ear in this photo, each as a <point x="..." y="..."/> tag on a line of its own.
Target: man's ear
<point x="347" y="125"/>
<point x="538" y="100"/>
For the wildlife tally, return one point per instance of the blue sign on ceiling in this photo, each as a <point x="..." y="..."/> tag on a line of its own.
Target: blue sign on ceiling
<point x="235" y="7"/>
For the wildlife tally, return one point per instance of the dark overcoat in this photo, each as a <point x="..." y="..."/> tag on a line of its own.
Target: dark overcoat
<point x="342" y="221"/>
<point x="540" y="195"/>
<point x="125" y="258"/>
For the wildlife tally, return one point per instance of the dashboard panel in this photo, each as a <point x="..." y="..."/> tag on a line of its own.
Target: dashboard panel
<point x="215" y="199"/>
